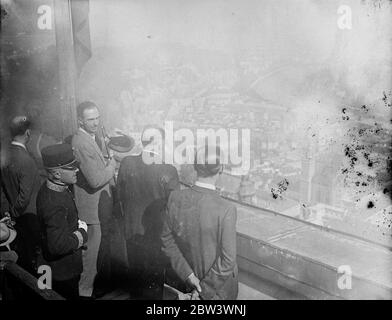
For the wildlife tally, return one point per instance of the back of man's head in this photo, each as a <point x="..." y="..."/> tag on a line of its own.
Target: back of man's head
<point x="85" y="105"/>
<point x="19" y="125"/>
<point x="208" y="161"/>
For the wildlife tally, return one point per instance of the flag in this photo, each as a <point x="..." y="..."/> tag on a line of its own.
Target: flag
<point x="81" y="32"/>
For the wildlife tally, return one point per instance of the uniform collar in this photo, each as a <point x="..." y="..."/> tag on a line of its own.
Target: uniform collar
<point x="56" y="187"/>
<point x="19" y="144"/>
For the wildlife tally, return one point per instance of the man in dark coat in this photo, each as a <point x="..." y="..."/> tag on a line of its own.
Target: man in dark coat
<point x="20" y="182"/>
<point x="199" y="235"/>
<point x="63" y="235"/>
<point x="143" y="189"/>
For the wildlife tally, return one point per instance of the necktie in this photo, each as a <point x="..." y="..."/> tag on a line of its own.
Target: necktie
<point x="99" y="142"/>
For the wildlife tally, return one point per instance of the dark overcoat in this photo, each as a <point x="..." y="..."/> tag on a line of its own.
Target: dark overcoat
<point x="61" y="237"/>
<point x="199" y="236"/>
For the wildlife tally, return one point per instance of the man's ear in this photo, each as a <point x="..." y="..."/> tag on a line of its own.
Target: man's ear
<point x="56" y="174"/>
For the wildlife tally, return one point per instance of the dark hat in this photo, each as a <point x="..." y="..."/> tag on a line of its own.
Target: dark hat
<point x="57" y="156"/>
<point x="121" y="143"/>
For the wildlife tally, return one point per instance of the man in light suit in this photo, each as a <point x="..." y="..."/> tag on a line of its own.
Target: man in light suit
<point x="93" y="195"/>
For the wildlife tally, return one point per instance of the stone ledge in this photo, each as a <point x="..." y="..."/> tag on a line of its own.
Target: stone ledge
<point x="305" y="259"/>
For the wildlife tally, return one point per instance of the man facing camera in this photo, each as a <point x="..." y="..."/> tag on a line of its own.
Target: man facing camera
<point x="63" y="235"/>
<point x="93" y="197"/>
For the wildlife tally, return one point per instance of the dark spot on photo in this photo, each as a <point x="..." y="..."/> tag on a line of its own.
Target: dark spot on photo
<point x="366" y="155"/>
<point x="370" y="204"/>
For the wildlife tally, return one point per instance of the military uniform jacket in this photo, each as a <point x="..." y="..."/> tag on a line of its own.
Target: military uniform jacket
<point x="199" y="236"/>
<point x="61" y="238"/>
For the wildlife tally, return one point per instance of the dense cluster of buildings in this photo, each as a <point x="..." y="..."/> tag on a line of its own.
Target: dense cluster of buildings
<point x="318" y="190"/>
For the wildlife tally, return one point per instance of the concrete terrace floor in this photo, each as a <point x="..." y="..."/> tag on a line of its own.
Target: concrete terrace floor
<point x="304" y="253"/>
<point x="265" y="291"/>
<point x="312" y="255"/>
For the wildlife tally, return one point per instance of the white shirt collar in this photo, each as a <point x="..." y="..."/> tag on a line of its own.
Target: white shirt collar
<point x="20" y="144"/>
<point x="151" y="151"/>
<point x="205" y="185"/>
<point x="89" y="134"/>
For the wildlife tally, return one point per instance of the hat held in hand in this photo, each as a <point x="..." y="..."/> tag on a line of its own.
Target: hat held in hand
<point x="121" y="144"/>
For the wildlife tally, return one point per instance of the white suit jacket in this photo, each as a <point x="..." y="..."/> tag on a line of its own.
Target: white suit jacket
<point x="92" y="190"/>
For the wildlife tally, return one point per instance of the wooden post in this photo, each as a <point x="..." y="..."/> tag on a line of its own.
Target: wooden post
<point x="26" y="279"/>
<point x="67" y="69"/>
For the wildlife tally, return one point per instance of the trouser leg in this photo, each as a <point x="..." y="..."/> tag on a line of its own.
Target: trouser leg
<point x="67" y="288"/>
<point x="27" y="241"/>
<point x="135" y="269"/>
<point x="103" y="279"/>
<point x="89" y="257"/>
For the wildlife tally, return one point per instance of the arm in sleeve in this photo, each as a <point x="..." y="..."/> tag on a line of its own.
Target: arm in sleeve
<point x="121" y="185"/>
<point x="28" y="179"/>
<point x="121" y="179"/>
<point x="170" y="247"/>
<point x="225" y="263"/>
<point x="60" y="240"/>
<point x="96" y="174"/>
<point x="170" y="181"/>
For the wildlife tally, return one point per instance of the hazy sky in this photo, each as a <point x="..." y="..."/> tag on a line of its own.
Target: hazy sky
<point x="303" y="32"/>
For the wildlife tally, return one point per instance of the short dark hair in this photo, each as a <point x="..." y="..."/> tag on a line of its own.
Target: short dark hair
<point x="147" y="142"/>
<point x="19" y="126"/>
<point x="86" y="105"/>
<point x="208" y="164"/>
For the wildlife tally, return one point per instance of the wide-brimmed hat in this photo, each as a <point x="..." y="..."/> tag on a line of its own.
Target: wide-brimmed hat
<point x="7" y="234"/>
<point x="121" y="143"/>
<point x="58" y="156"/>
